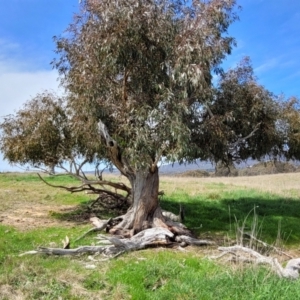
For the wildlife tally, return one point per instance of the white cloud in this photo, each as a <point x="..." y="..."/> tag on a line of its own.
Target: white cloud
<point x="7" y="46"/>
<point x="266" y="66"/>
<point x="18" y="87"/>
<point x="19" y="82"/>
<point x="19" y="77"/>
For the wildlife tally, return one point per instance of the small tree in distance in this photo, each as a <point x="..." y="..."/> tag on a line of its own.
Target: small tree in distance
<point x="247" y="115"/>
<point x="38" y="134"/>
<point x="138" y="76"/>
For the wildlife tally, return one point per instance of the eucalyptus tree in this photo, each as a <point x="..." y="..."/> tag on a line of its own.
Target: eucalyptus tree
<point x="138" y="77"/>
<point x="241" y="121"/>
<point x="38" y="134"/>
<point x="142" y="71"/>
<point x="289" y="125"/>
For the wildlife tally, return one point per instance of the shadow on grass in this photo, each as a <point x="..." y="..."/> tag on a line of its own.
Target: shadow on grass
<point x="214" y="215"/>
<point x="85" y="210"/>
<point x="217" y="213"/>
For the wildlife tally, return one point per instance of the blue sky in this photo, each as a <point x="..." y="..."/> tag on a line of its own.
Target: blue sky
<point x="268" y="32"/>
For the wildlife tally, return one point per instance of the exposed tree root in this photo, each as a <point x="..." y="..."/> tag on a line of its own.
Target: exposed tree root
<point x="244" y="254"/>
<point x="187" y="240"/>
<point x="99" y="226"/>
<point x="114" y="246"/>
<point x="267" y="246"/>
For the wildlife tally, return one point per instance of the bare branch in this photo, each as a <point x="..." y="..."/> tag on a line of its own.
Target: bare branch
<point x="192" y="241"/>
<point x="242" y="139"/>
<point x="115" y="152"/>
<point x="291" y="270"/>
<point x="120" y="185"/>
<point x="209" y="111"/>
<point x="99" y="226"/>
<point x="149" y="237"/>
<point x="266" y="245"/>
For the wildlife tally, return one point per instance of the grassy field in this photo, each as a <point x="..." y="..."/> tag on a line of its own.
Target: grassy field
<point x="33" y="214"/>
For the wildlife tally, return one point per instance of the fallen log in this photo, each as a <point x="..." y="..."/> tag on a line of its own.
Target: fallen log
<point x="290" y="271"/>
<point x="114" y="246"/>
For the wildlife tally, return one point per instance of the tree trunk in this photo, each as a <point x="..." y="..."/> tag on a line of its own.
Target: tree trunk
<point x="145" y="211"/>
<point x="224" y="169"/>
<point x="145" y="199"/>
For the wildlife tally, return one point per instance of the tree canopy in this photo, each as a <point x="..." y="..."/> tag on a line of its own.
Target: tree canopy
<point x="289" y="127"/>
<point x="242" y="118"/>
<point x="144" y="69"/>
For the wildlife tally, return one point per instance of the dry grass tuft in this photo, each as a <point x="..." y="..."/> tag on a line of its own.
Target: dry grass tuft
<point x="7" y="292"/>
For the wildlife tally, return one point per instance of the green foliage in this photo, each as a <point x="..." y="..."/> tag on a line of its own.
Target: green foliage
<point x="143" y="68"/>
<point x="242" y="115"/>
<point x="38" y="134"/>
<point x="289" y="125"/>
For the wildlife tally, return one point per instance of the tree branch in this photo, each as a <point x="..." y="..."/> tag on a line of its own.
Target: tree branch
<point x="242" y="139"/>
<point x="291" y="270"/>
<point x="89" y="187"/>
<point x="209" y="111"/>
<point x="266" y="245"/>
<point x="115" y="153"/>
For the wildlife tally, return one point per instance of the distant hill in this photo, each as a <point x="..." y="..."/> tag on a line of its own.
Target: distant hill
<point x="199" y="165"/>
<point x="180" y="168"/>
<point x="176" y="168"/>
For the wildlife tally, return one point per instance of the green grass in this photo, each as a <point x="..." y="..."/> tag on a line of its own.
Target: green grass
<point x="170" y="275"/>
<point x="217" y="212"/>
<point x="32" y="177"/>
<point x="152" y="273"/>
<point x="149" y="274"/>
